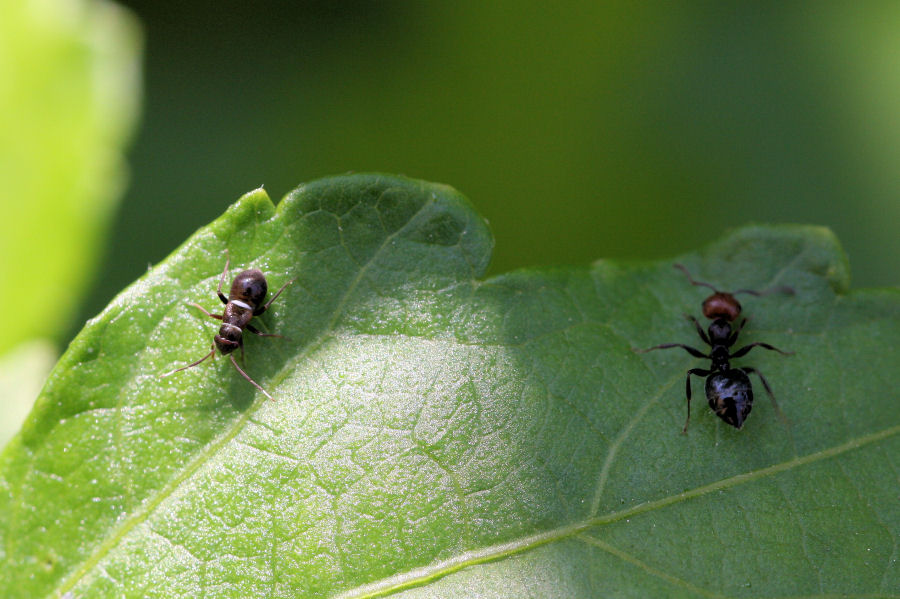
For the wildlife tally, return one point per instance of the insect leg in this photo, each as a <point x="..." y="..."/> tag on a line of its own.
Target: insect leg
<point x="737" y="331"/>
<point x="687" y="391"/>
<point x="202" y="309"/>
<point x="700" y="330"/>
<point x="693" y="351"/>
<point x="246" y="376"/>
<point x="744" y="350"/>
<point x="222" y="280"/>
<point x="265" y="307"/>
<point x="751" y="370"/>
<point x="256" y="331"/>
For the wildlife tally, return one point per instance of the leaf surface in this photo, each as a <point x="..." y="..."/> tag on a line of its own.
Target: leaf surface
<point x="435" y="434"/>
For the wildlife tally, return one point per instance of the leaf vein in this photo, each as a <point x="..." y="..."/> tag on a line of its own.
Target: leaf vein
<point x="424" y="574"/>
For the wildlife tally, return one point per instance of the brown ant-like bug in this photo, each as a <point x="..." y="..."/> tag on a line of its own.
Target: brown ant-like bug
<point x="728" y="389"/>
<point x="244" y="301"/>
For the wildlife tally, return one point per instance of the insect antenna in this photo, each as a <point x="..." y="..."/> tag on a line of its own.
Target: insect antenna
<point x="210" y="354"/>
<point x="684" y="269"/>
<point x="780" y="289"/>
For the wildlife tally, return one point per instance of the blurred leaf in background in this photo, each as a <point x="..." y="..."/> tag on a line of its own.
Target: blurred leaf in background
<point x="579" y="129"/>
<point x="69" y="83"/>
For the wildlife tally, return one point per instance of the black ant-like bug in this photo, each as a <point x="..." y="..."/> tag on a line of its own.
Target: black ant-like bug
<point x="728" y="389"/>
<point x="244" y="301"/>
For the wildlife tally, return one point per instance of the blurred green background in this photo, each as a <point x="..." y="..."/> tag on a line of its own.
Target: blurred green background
<point x="581" y="130"/>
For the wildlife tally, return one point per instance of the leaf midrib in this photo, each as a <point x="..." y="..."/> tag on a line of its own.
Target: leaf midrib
<point x="420" y="576"/>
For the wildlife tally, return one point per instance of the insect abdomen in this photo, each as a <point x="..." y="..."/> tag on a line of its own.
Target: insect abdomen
<point x="730" y="396"/>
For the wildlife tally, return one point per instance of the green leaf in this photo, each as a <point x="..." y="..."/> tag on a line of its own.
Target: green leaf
<point x="69" y="89"/>
<point x="22" y="374"/>
<point x="439" y="435"/>
<point x="69" y="83"/>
